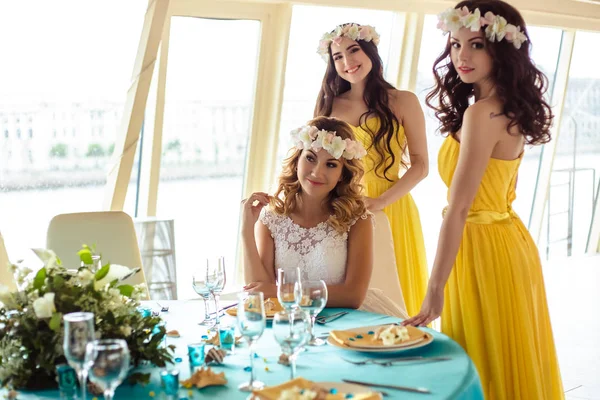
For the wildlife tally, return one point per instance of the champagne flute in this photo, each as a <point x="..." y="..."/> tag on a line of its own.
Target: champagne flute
<point x="79" y="331"/>
<point x="251" y="322"/>
<point x="292" y="332"/>
<point x="215" y="281"/>
<point x="313" y="300"/>
<point x="108" y="360"/>
<point x="200" y="285"/>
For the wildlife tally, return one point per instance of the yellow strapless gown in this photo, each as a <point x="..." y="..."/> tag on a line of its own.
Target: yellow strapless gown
<point x="495" y="302"/>
<point x="404" y="219"/>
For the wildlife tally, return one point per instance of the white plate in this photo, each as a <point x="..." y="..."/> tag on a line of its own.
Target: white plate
<point x="388" y="349"/>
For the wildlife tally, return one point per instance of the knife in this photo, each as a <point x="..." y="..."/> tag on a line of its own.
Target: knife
<point x="405" y="388"/>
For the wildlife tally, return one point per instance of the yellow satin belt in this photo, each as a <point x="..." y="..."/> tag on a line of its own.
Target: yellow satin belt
<point x="487" y="216"/>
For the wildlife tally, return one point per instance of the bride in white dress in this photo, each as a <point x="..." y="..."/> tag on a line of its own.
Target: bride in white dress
<point x="316" y="221"/>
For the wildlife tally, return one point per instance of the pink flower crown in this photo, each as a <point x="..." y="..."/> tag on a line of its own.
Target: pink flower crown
<point x="352" y="31"/>
<point x="497" y="28"/>
<point x="310" y="137"/>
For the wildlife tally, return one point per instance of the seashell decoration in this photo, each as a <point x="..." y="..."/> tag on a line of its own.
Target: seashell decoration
<point x="174" y="333"/>
<point x="205" y="377"/>
<point x="215" y="355"/>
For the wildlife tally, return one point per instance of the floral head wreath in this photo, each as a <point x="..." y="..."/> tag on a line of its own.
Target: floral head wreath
<point x="497" y="28"/>
<point x="352" y="31"/>
<point x="310" y="137"/>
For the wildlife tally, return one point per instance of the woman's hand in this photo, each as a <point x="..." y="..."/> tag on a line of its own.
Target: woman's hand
<point x="374" y="203"/>
<point x="430" y="310"/>
<point x="250" y="211"/>
<point x="268" y="289"/>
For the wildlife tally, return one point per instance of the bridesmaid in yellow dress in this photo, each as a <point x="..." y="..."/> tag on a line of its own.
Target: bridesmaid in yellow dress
<point x="387" y="121"/>
<point x="487" y="279"/>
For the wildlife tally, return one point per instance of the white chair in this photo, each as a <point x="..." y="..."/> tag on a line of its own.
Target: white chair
<point x="384" y="279"/>
<point x="6" y="277"/>
<point x="112" y="233"/>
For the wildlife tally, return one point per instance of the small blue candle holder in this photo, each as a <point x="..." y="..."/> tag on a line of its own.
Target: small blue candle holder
<point x="170" y="381"/>
<point x="196" y="355"/>
<point x="227" y="337"/>
<point x="145" y="311"/>
<point x="67" y="381"/>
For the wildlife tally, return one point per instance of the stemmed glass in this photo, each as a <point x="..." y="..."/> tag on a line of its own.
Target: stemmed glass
<point x="313" y="300"/>
<point x="199" y="283"/>
<point x="251" y="322"/>
<point x="292" y="332"/>
<point x="79" y="331"/>
<point x="108" y="361"/>
<point x="215" y="281"/>
<point x="288" y="288"/>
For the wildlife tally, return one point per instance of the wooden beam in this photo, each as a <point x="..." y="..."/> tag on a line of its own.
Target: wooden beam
<point x="135" y="106"/>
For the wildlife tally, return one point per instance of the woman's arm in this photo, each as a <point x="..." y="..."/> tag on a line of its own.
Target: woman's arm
<point x="258" y="245"/>
<point x="408" y="110"/>
<point x="477" y="144"/>
<point x="359" y="267"/>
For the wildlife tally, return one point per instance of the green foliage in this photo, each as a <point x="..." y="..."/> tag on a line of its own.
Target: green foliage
<point x="31" y="344"/>
<point x="95" y="150"/>
<point x="59" y="150"/>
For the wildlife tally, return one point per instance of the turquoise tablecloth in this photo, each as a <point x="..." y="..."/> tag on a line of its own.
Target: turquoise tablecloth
<point x="453" y="379"/>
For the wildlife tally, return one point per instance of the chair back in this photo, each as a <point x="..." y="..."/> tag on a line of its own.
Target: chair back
<point x="112" y="233"/>
<point x="6" y="277"/>
<point x="385" y="274"/>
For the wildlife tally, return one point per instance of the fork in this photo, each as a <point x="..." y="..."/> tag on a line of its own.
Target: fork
<point x="328" y="318"/>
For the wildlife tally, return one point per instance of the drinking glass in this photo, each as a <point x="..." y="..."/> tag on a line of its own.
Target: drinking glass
<point x="288" y="287"/>
<point x="199" y="283"/>
<point x="215" y="280"/>
<point x="79" y="331"/>
<point x="251" y="322"/>
<point x="108" y="361"/>
<point x="313" y="300"/>
<point x="292" y="332"/>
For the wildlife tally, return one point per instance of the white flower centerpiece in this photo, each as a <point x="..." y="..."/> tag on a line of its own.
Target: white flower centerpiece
<point x="31" y="323"/>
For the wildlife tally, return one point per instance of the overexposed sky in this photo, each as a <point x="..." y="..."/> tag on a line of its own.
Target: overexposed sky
<point x="83" y="50"/>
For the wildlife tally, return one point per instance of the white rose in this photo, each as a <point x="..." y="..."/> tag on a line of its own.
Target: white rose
<point x="85" y="276"/>
<point x="115" y="272"/>
<point x="6" y="297"/>
<point x="47" y="256"/>
<point x="44" y="306"/>
<point x="126" y="330"/>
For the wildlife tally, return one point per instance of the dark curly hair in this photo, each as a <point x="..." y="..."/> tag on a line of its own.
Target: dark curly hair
<point x="520" y="85"/>
<point x="376" y="98"/>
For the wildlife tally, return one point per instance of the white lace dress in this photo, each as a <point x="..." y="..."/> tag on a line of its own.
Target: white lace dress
<point x="321" y="253"/>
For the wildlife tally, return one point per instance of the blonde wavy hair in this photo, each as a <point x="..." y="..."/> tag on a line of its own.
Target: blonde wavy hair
<point x="345" y="202"/>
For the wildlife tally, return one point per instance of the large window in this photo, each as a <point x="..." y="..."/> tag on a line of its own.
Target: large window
<point x="208" y="109"/>
<point x="576" y="170"/>
<point x="64" y="76"/>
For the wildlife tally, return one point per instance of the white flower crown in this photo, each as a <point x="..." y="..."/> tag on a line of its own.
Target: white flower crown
<point x="310" y="137"/>
<point x="497" y="28"/>
<point x="352" y="31"/>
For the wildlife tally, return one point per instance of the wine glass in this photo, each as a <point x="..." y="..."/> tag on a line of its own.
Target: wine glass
<point x="108" y="361"/>
<point x="251" y="322"/>
<point x="215" y="281"/>
<point x="292" y="332"/>
<point x="288" y="288"/>
<point x="313" y="299"/>
<point x="79" y="331"/>
<point x="199" y="283"/>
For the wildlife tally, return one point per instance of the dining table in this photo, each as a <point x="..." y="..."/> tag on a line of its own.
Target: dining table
<point x="445" y="371"/>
